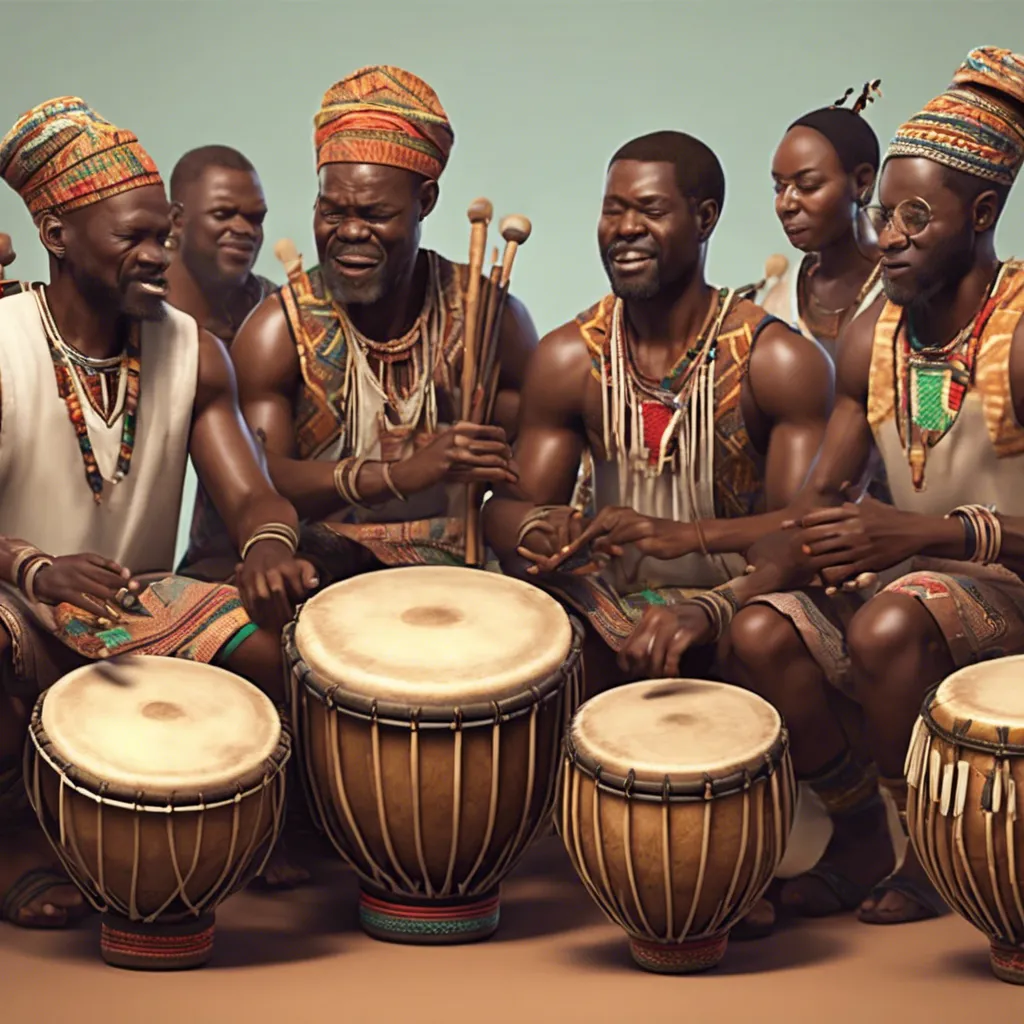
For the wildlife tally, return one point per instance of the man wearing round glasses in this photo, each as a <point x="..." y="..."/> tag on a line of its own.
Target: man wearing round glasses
<point x="933" y="378"/>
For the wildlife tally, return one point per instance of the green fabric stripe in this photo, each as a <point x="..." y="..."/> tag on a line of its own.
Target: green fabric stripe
<point x="235" y="642"/>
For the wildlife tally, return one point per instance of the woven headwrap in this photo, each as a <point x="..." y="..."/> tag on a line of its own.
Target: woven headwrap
<point x="383" y="115"/>
<point x="62" y="155"/>
<point x="977" y="132"/>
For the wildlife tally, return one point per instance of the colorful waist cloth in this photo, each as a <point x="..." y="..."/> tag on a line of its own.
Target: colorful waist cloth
<point x="170" y="617"/>
<point x="341" y="550"/>
<point x="978" y="608"/>
<point x="613" y="616"/>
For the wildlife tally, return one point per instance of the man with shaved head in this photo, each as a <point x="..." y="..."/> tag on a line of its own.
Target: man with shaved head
<point x="217" y="211"/>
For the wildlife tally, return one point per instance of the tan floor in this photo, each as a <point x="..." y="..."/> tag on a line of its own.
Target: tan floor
<point x="301" y="957"/>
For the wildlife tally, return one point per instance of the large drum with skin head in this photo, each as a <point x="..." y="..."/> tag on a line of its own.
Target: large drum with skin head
<point x="677" y="798"/>
<point x="161" y="785"/>
<point x="965" y="779"/>
<point x="430" y="704"/>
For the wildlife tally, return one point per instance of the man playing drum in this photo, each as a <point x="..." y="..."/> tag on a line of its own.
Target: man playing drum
<point x="349" y="373"/>
<point x="696" y="406"/>
<point x="106" y="393"/>
<point x="934" y="380"/>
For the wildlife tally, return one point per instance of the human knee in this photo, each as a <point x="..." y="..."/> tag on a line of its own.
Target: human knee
<point x="760" y="638"/>
<point x="885" y="631"/>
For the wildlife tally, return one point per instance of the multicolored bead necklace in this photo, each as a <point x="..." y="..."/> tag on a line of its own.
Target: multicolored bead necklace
<point x="932" y="383"/>
<point x="65" y="360"/>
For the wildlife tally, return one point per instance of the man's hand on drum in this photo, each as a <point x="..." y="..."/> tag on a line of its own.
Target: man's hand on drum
<point x="661" y="638"/>
<point x="467" y="452"/>
<point x="271" y="582"/>
<point x="90" y="582"/>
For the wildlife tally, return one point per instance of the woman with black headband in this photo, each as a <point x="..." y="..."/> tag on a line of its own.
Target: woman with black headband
<point x="824" y="172"/>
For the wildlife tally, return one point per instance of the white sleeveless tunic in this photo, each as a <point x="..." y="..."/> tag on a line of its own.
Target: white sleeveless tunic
<point x="46" y="498"/>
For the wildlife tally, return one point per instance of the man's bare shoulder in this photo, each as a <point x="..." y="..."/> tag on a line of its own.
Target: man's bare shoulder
<point x="264" y="352"/>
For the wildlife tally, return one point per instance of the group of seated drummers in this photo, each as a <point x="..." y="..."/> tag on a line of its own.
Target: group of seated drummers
<point x="811" y="498"/>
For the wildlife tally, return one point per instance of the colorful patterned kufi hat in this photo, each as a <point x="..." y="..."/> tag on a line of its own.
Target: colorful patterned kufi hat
<point x="62" y="155"/>
<point x="383" y="115"/>
<point x="977" y="125"/>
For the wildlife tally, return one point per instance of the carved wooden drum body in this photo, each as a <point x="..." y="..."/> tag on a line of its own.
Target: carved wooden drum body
<point x="161" y="785"/>
<point x="965" y="778"/>
<point x="431" y="704"/>
<point x="676" y="803"/>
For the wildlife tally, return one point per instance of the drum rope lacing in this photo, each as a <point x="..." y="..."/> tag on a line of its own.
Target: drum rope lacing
<point x="944" y="786"/>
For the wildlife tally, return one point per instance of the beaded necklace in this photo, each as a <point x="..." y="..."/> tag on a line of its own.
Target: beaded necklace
<point x="65" y="359"/>
<point x="932" y="383"/>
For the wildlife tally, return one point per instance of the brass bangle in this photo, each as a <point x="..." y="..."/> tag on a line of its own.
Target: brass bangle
<point x="24" y="555"/>
<point x="281" y="532"/>
<point x="389" y="481"/>
<point x="352" y="482"/>
<point x="29" y="588"/>
<point x="532" y="519"/>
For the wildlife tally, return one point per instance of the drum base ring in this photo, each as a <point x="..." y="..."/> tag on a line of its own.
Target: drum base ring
<point x="441" y="922"/>
<point x="174" y="946"/>
<point x="1007" y="963"/>
<point x="688" y="957"/>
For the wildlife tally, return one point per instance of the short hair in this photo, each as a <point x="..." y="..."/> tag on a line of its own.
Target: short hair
<point x="968" y="187"/>
<point x="699" y="175"/>
<point x="191" y="167"/>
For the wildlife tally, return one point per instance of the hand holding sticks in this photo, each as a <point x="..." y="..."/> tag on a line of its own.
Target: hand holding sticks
<point x="481" y="366"/>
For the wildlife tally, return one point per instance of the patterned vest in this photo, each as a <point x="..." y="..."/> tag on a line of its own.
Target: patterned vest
<point x="738" y="466"/>
<point x="323" y="345"/>
<point x="967" y="406"/>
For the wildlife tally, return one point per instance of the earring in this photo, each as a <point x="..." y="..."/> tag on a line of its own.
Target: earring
<point x="864" y="198"/>
<point x="171" y="243"/>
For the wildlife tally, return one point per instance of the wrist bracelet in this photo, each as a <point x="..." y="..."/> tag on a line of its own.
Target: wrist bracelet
<point x="532" y="519"/>
<point x="24" y="555"/>
<point x="389" y="481"/>
<point x="281" y="532"/>
<point x="983" y="532"/>
<point x="35" y="567"/>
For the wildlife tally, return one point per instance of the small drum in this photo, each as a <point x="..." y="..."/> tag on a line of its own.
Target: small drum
<point x="965" y="768"/>
<point x="430" y="705"/>
<point x="676" y="803"/>
<point x="161" y="785"/>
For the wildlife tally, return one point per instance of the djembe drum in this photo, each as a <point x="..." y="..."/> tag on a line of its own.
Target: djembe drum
<point x="430" y="705"/>
<point x="965" y="768"/>
<point x="676" y="803"/>
<point x="161" y="784"/>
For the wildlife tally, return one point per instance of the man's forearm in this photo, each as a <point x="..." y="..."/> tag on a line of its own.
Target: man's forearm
<point x="311" y="484"/>
<point x="502" y="518"/>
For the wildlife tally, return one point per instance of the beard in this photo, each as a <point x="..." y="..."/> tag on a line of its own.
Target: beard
<point x="368" y="289"/>
<point x="636" y="287"/>
<point x="950" y="262"/>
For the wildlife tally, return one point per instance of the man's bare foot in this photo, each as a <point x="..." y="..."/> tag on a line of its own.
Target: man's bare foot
<point x="905" y="896"/>
<point x="758" y="924"/>
<point x="281" y="871"/>
<point x="34" y="890"/>
<point x="858" y="856"/>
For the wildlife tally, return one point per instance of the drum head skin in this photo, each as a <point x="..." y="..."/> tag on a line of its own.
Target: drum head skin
<point x="433" y="636"/>
<point x="991" y="693"/>
<point x="682" y="728"/>
<point x="160" y="725"/>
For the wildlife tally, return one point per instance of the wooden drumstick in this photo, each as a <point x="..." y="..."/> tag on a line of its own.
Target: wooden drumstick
<point x="515" y="229"/>
<point x="288" y="255"/>
<point x="480" y="212"/>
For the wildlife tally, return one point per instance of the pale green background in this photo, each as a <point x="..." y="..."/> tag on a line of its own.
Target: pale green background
<point x="540" y="95"/>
